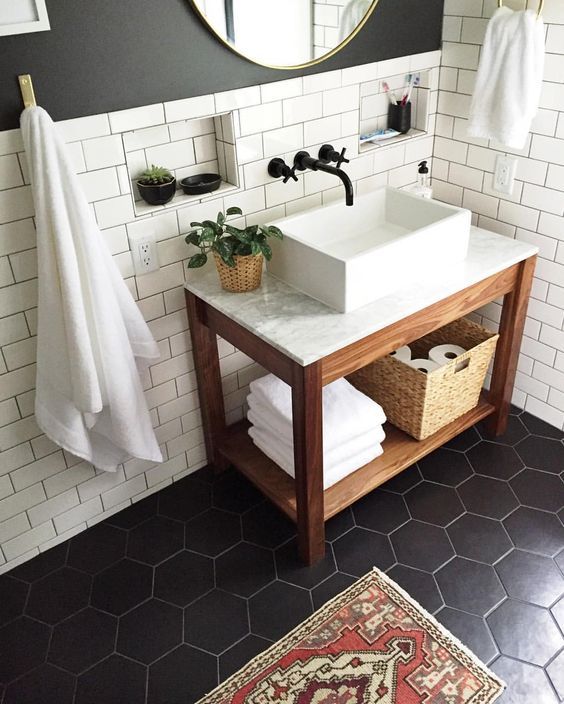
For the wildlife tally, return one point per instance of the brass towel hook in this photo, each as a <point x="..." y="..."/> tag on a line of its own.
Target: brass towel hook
<point x="539" y="11"/>
<point x="26" y="87"/>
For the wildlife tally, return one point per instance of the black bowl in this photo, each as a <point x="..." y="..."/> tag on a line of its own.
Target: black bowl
<point x="200" y="183"/>
<point x="160" y="194"/>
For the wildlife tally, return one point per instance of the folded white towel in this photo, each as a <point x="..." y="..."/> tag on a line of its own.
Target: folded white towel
<point x="333" y="457"/>
<point x="346" y="411"/>
<point x="89" y="398"/>
<point x="509" y="80"/>
<point x="332" y="474"/>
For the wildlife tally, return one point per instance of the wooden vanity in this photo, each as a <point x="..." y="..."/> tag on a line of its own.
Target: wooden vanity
<point x="308" y="346"/>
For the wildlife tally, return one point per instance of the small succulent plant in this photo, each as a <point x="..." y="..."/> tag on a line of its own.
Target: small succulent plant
<point x="228" y="241"/>
<point x="155" y="176"/>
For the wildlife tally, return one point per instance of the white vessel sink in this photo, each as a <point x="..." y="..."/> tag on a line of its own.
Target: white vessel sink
<point x="347" y="257"/>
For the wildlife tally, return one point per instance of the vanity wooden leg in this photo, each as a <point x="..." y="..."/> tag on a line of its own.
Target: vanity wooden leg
<point x="206" y="360"/>
<point x="307" y="412"/>
<point x="511" y="327"/>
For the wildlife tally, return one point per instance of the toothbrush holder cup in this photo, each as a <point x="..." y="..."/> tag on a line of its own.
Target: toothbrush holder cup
<point x="399" y="117"/>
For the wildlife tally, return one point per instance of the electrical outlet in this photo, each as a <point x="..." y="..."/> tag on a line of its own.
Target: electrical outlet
<point x="504" y="175"/>
<point x="145" y="255"/>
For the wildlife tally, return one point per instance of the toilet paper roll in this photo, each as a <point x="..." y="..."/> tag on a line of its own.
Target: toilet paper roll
<point x="423" y="365"/>
<point x="403" y="354"/>
<point x="443" y="354"/>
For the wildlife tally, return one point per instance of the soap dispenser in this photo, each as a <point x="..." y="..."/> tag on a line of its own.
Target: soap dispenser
<point x="423" y="188"/>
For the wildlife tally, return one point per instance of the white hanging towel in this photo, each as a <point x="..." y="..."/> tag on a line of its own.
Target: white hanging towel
<point x="352" y="15"/>
<point x="89" y="399"/>
<point x="509" y="80"/>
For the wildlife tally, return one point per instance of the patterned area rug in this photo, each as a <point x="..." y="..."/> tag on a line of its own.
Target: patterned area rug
<point x="372" y="644"/>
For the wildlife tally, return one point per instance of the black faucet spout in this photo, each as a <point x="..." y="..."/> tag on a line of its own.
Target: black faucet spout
<point x="304" y="161"/>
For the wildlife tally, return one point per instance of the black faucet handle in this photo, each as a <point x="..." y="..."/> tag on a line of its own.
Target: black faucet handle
<point x="341" y="159"/>
<point x="278" y="168"/>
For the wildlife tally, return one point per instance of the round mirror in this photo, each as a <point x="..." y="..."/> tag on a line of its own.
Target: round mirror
<point x="285" y="33"/>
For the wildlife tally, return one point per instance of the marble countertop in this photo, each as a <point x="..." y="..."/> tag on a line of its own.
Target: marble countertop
<point x="307" y="330"/>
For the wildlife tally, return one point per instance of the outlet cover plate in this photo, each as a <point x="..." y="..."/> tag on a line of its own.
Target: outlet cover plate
<point x="144" y="254"/>
<point x="504" y="175"/>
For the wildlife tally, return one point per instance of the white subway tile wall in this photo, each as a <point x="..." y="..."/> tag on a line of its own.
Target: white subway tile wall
<point x="47" y="495"/>
<point x="462" y="174"/>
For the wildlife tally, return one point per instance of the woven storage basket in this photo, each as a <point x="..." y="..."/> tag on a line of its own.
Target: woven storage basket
<point x="244" y="276"/>
<point x="419" y="403"/>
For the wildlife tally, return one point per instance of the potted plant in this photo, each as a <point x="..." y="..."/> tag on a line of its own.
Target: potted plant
<point x="156" y="185"/>
<point x="238" y="253"/>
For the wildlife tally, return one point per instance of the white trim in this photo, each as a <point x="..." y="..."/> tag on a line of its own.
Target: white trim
<point x="39" y="25"/>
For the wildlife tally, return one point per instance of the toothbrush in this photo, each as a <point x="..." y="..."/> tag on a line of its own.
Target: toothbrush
<point x="413" y="81"/>
<point x="389" y="93"/>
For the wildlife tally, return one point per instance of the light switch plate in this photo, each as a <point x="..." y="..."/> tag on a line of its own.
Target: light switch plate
<point x="504" y="175"/>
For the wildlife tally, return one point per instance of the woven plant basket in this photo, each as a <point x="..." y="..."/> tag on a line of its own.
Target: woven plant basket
<point x="419" y="403"/>
<point x="246" y="275"/>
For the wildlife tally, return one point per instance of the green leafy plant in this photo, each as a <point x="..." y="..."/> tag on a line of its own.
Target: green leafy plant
<point x="229" y="241"/>
<point x="155" y="176"/>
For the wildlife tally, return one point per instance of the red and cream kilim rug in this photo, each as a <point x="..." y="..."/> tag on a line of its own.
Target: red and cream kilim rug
<point x="372" y="644"/>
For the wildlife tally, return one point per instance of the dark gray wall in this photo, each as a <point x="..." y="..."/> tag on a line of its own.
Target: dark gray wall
<point x="104" y="55"/>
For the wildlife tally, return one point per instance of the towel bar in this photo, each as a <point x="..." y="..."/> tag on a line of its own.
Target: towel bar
<point x="539" y="11"/>
<point x="26" y="87"/>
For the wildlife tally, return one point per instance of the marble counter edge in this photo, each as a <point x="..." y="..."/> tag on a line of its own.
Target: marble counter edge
<point x="266" y="315"/>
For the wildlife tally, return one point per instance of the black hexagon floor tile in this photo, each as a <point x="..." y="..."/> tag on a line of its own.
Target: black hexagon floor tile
<point x="216" y="621"/>
<point x="13" y="595"/>
<point x="422" y="546"/>
<point x="267" y="526"/>
<point x="420" y="585"/>
<point x="328" y="589"/>
<point x="269" y="613"/>
<point x="184" y="499"/>
<point x="359" y="550"/>
<point x="43" y="564"/>
<point x="515" y="431"/>
<point x="212" y="532"/>
<point x="479" y="538"/>
<point x="155" y="540"/>
<point x="404" y="481"/>
<point x="184" y="578"/>
<point x="464" y="441"/>
<point x="244" y="569"/>
<point x="150" y="631"/>
<point x="232" y="492"/>
<point x="446" y="467"/>
<point x="114" y="680"/>
<point x="240" y="654"/>
<point x="184" y="675"/>
<point x="83" y="640"/>
<point x="470" y="586"/>
<point x="530" y="577"/>
<point x="470" y="630"/>
<point x="289" y="567"/>
<point x="494" y="460"/>
<point x="488" y="497"/>
<point x="538" y="531"/>
<point x="135" y="514"/>
<point x="541" y="453"/>
<point x="339" y="524"/>
<point x="536" y="426"/>
<point x="97" y="548"/>
<point x="381" y="510"/>
<point x="122" y="586"/>
<point x="558" y="613"/>
<point x="24" y="647"/>
<point x="559" y="559"/>
<point x="556" y="673"/>
<point x="525" y="632"/>
<point x="434" y="503"/>
<point x="45" y="685"/>
<point x="539" y="490"/>
<point x="522" y="680"/>
<point x="59" y="595"/>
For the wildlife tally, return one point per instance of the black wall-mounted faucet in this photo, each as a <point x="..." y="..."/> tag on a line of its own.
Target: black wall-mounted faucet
<point x="278" y="168"/>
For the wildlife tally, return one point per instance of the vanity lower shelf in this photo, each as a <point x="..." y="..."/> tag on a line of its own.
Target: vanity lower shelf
<point x="400" y="452"/>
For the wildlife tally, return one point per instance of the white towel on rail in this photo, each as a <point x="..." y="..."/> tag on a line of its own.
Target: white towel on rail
<point x="509" y="80"/>
<point x="332" y="473"/>
<point x="89" y="398"/>
<point x="347" y="412"/>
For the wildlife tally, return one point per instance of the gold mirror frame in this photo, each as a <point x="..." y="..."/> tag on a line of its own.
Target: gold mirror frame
<point x="313" y="62"/>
